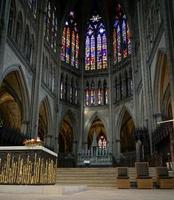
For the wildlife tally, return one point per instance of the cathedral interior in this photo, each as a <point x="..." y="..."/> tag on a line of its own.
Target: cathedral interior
<point x="89" y="75"/>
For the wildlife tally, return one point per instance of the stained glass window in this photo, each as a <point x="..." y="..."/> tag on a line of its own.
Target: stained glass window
<point x="120" y="89"/>
<point x="92" y="95"/>
<point x="99" y="93"/>
<point x="66" y="88"/>
<point x="51" y="26"/>
<point x="71" y="91"/>
<point x="76" y="92"/>
<point x="96" y="94"/>
<point x="67" y="53"/>
<point x="77" y="51"/>
<point x="96" y="45"/>
<point x="121" y="36"/>
<point x="63" y="45"/>
<point x="73" y="49"/>
<point x="105" y="92"/>
<point x="61" y="87"/>
<point x="116" y="90"/>
<point x="102" y="142"/>
<point x="88" y="53"/>
<point x="87" y="97"/>
<point x="70" y="42"/>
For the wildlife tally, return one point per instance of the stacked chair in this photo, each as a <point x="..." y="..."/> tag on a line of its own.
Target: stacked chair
<point x="144" y="181"/>
<point x="122" y="178"/>
<point x="164" y="181"/>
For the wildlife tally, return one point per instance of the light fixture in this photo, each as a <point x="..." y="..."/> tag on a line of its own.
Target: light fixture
<point x="95" y="18"/>
<point x="165" y="121"/>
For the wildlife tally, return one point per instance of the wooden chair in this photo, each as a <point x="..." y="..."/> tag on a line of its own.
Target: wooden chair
<point x="144" y="181"/>
<point x="122" y="178"/>
<point x="164" y="181"/>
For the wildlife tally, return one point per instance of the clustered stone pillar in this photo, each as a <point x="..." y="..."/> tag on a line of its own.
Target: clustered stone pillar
<point x="145" y="74"/>
<point x="4" y="16"/>
<point x="38" y="75"/>
<point x="168" y="19"/>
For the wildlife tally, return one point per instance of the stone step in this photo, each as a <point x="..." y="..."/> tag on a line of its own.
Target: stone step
<point x="95" y="177"/>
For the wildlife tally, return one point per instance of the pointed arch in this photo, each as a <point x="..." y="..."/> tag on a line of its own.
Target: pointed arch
<point x="14" y="84"/>
<point x="45" y="118"/>
<point x="67" y="132"/>
<point x="90" y="120"/>
<point x="161" y="80"/>
<point x="125" y="129"/>
<point x="121" y="115"/>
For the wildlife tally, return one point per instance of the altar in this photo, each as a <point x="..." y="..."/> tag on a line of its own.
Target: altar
<point x="31" y="165"/>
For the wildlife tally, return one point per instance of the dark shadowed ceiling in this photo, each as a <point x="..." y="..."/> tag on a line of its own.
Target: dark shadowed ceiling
<point x="85" y="8"/>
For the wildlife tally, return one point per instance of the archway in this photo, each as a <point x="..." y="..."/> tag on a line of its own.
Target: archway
<point x="97" y="132"/>
<point x="12" y="109"/>
<point x="165" y="131"/>
<point x="43" y="124"/>
<point x="66" y="136"/>
<point x="127" y="139"/>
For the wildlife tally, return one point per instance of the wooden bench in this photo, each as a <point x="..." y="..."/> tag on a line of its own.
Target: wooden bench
<point x="122" y="178"/>
<point x="164" y="181"/>
<point x="144" y="181"/>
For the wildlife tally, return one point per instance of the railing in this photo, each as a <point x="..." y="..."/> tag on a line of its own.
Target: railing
<point x="66" y="160"/>
<point x="95" y="157"/>
<point x="126" y="159"/>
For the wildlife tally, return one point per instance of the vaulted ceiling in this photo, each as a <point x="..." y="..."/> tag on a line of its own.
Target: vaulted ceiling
<point x="85" y="8"/>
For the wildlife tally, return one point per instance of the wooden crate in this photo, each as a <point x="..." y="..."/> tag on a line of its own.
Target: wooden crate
<point x="123" y="183"/>
<point x="144" y="183"/>
<point x="166" y="183"/>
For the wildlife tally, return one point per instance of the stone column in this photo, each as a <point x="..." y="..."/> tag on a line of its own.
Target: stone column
<point x="82" y="136"/>
<point x="56" y="114"/>
<point x="4" y="18"/>
<point x="38" y="74"/>
<point x="168" y="20"/>
<point x="145" y="73"/>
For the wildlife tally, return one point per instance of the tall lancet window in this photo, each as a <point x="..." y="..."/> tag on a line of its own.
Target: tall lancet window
<point x="99" y="93"/>
<point x="121" y="36"/>
<point x="87" y="96"/>
<point x="70" y="42"/>
<point x="95" y="45"/>
<point x="51" y="26"/>
<point x="92" y="93"/>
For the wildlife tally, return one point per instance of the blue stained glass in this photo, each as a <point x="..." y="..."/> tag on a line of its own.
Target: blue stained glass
<point x="93" y="52"/>
<point x="70" y="42"/>
<point x="96" y="46"/>
<point x="99" y="52"/>
<point x="121" y="36"/>
<point x="87" y="57"/>
<point x="104" y="51"/>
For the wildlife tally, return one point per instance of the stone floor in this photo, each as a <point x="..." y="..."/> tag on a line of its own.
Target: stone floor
<point x="97" y="194"/>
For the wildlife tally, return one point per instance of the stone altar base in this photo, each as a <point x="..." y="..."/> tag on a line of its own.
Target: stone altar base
<point x="27" y="165"/>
